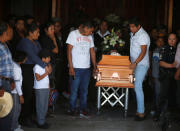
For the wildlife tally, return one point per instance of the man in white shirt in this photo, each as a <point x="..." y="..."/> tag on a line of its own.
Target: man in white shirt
<point x="79" y="50"/>
<point x="139" y="55"/>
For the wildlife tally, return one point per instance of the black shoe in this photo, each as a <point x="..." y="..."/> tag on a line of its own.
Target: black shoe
<point x="138" y="118"/>
<point x="44" y="126"/>
<point x="28" y="123"/>
<point x="156" y="117"/>
<point x="72" y="113"/>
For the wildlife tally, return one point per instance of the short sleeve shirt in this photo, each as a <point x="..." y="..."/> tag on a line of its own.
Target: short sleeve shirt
<point x="81" y="49"/>
<point x="136" y="41"/>
<point x="167" y="54"/>
<point x="42" y="84"/>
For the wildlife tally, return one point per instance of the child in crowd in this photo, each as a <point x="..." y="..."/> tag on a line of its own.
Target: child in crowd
<point x="41" y="86"/>
<point x="155" y="70"/>
<point x="18" y="99"/>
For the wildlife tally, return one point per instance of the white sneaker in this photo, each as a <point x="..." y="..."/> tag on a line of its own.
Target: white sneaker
<point x="18" y="129"/>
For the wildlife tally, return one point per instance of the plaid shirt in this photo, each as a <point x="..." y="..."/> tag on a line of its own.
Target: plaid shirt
<point x="6" y="63"/>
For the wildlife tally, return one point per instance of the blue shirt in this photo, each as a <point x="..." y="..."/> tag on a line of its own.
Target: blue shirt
<point x="6" y="63"/>
<point x="32" y="50"/>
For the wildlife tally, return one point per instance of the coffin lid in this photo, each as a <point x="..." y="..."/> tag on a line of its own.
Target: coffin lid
<point x="109" y="60"/>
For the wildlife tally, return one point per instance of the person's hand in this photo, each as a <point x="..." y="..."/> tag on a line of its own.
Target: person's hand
<point x="177" y="76"/>
<point x="174" y="64"/>
<point x="21" y="98"/>
<point x="132" y="66"/>
<point x="1" y="92"/>
<point x="71" y="71"/>
<point x="52" y="36"/>
<point x="13" y="85"/>
<point x="47" y="69"/>
<point x="95" y="70"/>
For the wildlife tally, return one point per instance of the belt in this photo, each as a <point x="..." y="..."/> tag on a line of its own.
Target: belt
<point x="6" y="78"/>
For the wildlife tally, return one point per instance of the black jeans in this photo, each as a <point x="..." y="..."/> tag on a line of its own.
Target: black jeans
<point x="5" y="123"/>
<point x="165" y="85"/>
<point x="28" y="108"/>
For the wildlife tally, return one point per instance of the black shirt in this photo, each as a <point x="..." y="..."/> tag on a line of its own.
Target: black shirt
<point x="167" y="54"/>
<point x="47" y="43"/>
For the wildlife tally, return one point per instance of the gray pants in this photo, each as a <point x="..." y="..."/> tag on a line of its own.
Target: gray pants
<point x="16" y="111"/>
<point x="42" y="97"/>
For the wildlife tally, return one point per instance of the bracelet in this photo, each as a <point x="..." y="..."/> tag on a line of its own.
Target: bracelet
<point x="135" y="63"/>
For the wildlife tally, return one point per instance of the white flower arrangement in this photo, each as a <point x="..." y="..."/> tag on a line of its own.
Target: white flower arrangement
<point x="113" y="42"/>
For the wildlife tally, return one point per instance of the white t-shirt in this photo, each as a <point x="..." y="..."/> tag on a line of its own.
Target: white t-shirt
<point x="44" y="83"/>
<point x="140" y="38"/>
<point x="18" y="79"/>
<point x="81" y="49"/>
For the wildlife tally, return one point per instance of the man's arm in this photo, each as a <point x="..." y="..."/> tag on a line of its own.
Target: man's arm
<point x="93" y="58"/>
<point x="69" y="56"/>
<point x="140" y="57"/>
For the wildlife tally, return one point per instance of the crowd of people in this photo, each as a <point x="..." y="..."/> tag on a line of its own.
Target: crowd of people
<point x="35" y="58"/>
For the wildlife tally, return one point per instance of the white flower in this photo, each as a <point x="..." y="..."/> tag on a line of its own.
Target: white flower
<point x="106" y="46"/>
<point x="105" y="41"/>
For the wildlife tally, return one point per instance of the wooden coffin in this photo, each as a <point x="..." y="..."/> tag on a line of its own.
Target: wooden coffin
<point x="114" y="71"/>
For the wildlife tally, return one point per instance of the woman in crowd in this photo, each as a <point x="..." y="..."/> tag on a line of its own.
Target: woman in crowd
<point x="48" y="41"/>
<point x="31" y="47"/>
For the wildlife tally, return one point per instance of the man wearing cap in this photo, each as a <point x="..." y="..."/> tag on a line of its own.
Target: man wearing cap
<point x="6" y="71"/>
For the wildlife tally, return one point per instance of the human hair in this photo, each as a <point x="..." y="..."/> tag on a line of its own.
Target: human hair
<point x="172" y="33"/>
<point x="3" y="27"/>
<point x="162" y="27"/>
<point x="88" y="24"/>
<point x="44" y="53"/>
<point x="47" y="25"/>
<point x="31" y="28"/>
<point x="135" y="21"/>
<point x="19" y="18"/>
<point x="28" y="17"/>
<point x="19" y="56"/>
<point x="103" y="20"/>
<point x="54" y="20"/>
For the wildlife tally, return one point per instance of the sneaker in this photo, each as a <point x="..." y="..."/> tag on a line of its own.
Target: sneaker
<point x="18" y="129"/>
<point x="72" y="113"/>
<point x="44" y="126"/>
<point x="84" y="114"/>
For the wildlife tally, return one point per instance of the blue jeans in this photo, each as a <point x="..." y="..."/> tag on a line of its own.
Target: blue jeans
<point x="42" y="98"/>
<point x="81" y="83"/>
<point x="140" y="73"/>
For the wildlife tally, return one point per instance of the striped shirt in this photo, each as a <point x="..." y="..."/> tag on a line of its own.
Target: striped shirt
<point x="6" y="63"/>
